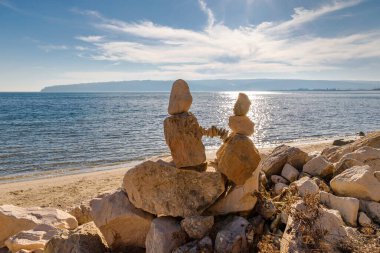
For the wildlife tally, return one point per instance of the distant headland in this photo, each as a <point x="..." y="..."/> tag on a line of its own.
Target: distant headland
<point x="219" y="85"/>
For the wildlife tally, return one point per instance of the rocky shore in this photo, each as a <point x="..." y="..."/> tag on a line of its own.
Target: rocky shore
<point x="287" y="200"/>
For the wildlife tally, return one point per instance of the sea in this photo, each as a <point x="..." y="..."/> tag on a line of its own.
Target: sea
<point x="64" y="133"/>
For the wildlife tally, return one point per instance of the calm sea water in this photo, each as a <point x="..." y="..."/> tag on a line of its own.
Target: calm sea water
<point x="68" y="132"/>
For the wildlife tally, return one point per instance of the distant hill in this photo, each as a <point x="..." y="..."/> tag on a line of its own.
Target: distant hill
<point x="218" y="85"/>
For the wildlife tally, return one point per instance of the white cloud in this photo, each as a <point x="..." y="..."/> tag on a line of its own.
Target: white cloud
<point x="92" y="38"/>
<point x="48" y="48"/>
<point x="222" y="52"/>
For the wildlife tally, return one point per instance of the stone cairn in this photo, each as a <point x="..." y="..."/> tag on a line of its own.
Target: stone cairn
<point x="163" y="208"/>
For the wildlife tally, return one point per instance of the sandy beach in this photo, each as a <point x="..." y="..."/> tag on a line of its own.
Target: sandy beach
<point x="66" y="191"/>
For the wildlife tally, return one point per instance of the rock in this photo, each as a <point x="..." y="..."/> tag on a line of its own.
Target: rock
<point x="319" y="166"/>
<point x="336" y="153"/>
<point x="306" y="186"/>
<point x="183" y="135"/>
<point x="278" y="179"/>
<point x="239" y="199"/>
<point x="376" y="174"/>
<point x="341" y="142"/>
<point x="201" y="246"/>
<point x="84" y="239"/>
<point x="122" y="224"/>
<point x="241" y="125"/>
<point x="180" y="98"/>
<point x="367" y="155"/>
<point x="347" y="207"/>
<point x="371" y="208"/>
<point x="358" y="182"/>
<point x="15" y="219"/>
<point x="233" y="236"/>
<point x="329" y="222"/>
<point x="345" y="163"/>
<point x="241" y="107"/>
<point x="290" y="173"/>
<point x="32" y="239"/>
<point x="197" y="226"/>
<point x="273" y="164"/>
<point x="165" y="235"/>
<point x="266" y="209"/>
<point x="279" y="187"/>
<point x="167" y="191"/>
<point x="364" y="220"/>
<point x="238" y="158"/>
<point x="82" y="213"/>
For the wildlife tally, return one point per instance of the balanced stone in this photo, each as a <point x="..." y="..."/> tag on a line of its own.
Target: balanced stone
<point x="238" y="158"/>
<point x="242" y="105"/>
<point x="183" y="135"/>
<point x="180" y="98"/>
<point x="167" y="191"/>
<point x="241" y="125"/>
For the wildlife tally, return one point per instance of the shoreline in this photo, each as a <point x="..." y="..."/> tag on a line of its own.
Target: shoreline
<point x="66" y="191"/>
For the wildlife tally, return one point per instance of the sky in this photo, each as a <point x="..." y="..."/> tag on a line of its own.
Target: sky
<point x="45" y="43"/>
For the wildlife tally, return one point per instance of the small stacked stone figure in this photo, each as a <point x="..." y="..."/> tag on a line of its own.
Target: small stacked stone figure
<point x="183" y="134"/>
<point x="238" y="157"/>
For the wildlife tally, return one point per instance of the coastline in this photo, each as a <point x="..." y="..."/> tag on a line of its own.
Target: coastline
<point x="65" y="191"/>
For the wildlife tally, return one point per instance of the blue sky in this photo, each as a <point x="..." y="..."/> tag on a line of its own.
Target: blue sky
<point x="71" y="41"/>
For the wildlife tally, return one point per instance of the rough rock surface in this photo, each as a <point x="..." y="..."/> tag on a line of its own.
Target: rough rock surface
<point x="278" y="179"/>
<point x="167" y="191"/>
<point x="241" y="107"/>
<point x="201" y="246"/>
<point x="82" y="213"/>
<point x="336" y="153"/>
<point x="233" y="236"/>
<point x="33" y="239"/>
<point x="358" y="182"/>
<point x="84" y="239"/>
<point x="15" y="219"/>
<point x="197" y="226"/>
<point x="122" y="224"/>
<point x="347" y="207"/>
<point x="165" y="235"/>
<point x="183" y="135"/>
<point x="329" y="222"/>
<point x="290" y="173"/>
<point x="238" y="158"/>
<point x="319" y="166"/>
<point x="279" y="187"/>
<point x="345" y="163"/>
<point x="180" y="98"/>
<point x="273" y="164"/>
<point x="241" y="125"/>
<point x="371" y="208"/>
<point x="367" y="155"/>
<point x="364" y="220"/>
<point x="306" y="186"/>
<point x="239" y="199"/>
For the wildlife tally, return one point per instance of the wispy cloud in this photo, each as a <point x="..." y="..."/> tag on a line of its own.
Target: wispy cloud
<point x="49" y="48"/>
<point x="218" y="51"/>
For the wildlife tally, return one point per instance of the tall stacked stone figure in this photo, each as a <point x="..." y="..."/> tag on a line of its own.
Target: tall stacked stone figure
<point x="238" y="157"/>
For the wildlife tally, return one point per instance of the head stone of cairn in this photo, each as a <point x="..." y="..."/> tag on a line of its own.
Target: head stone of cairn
<point x="242" y="105"/>
<point x="240" y="123"/>
<point x="180" y="98"/>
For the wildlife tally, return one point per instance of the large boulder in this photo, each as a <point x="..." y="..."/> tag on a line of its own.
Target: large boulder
<point x="366" y="155"/>
<point x="318" y="166"/>
<point x="14" y="219"/>
<point x="358" y="182"/>
<point x="122" y="224"/>
<point x="290" y="173"/>
<point x="241" y="125"/>
<point x="306" y="186"/>
<point x="348" y="207"/>
<point x="239" y="199"/>
<point x="180" y="98"/>
<point x="183" y="135"/>
<point x="233" y="236"/>
<point x="82" y="213"/>
<point x="335" y="154"/>
<point x="166" y="191"/>
<point x="197" y="226"/>
<point x="345" y="163"/>
<point x="238" y="158"/>
<point x="33" y="239"/>
<point x="273" y="164"/>
<point x="84" y="239"/>
<point x="328" y="227"/>
<point x="371" y="208"/>
<point x="165" y="235"/>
